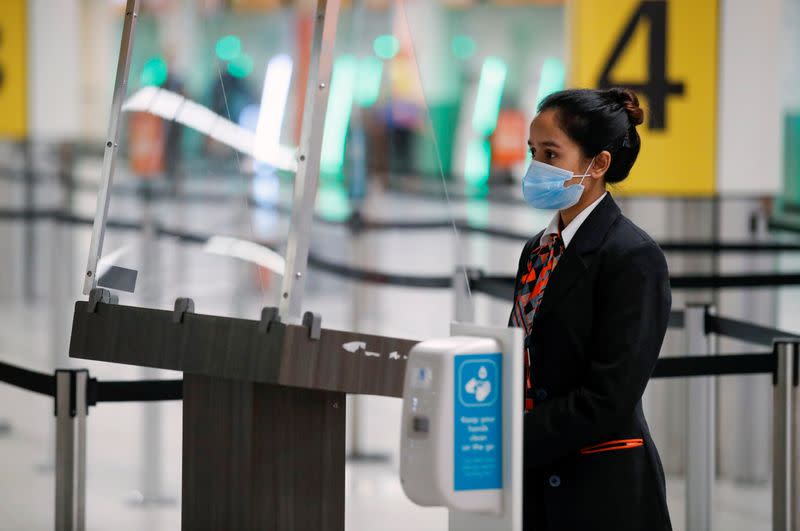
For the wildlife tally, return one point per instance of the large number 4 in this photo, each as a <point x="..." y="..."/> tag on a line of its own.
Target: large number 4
<point x="657" y="87"/>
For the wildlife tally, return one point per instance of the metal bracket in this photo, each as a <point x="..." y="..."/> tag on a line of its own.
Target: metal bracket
<point x="71" y="405"/>
<point x="707" y="316"/>
<point x="269" y="315"/>
<point x="313" y="321"/>
<point x="183" y="305"/>
<point x="98" y="295"/>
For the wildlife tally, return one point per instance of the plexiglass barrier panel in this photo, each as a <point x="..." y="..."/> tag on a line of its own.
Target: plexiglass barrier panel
<point x="208" y="142"/>
<point x="427" y="115"/>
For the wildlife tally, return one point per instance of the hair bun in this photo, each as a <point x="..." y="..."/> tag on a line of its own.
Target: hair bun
<point x="630" y="102"/>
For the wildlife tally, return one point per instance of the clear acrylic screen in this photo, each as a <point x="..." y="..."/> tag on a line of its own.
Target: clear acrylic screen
<point x="427" y="116"/>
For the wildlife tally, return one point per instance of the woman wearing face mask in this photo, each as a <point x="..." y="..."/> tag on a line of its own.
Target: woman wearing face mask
<point x="592" y="294"/>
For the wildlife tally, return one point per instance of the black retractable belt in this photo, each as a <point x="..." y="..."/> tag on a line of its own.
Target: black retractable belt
<point x="182" y="235"/>
<point x="36" y="382"/>
<point x="749" y="280"/>
<point x="378" y="277"/>
<point x="139" y="391"/>
<point x="498" y="286"/>
<point x="732" y="247"/>
<point x="157" y="390"/>
<point x="721" y="365"/>
<point x="744" y="331"/>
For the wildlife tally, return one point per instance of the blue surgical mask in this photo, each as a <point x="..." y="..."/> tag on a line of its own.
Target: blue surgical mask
<point x="543" y="186"/>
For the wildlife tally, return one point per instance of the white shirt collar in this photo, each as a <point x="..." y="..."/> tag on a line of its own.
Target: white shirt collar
<point x="569" y="231"/>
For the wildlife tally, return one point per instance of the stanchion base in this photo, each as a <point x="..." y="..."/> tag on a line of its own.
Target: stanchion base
<point x="361" y="457"/>
<point x="137" y="499"/>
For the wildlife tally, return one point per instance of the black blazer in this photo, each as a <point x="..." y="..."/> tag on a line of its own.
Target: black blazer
<point x="595" y="339"/>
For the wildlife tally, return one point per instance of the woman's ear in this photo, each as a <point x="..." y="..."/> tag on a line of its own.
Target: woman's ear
<point x="601" y="164"/>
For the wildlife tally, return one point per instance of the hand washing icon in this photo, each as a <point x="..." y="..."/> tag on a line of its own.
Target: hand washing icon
<point x="480" y="387"/>
<point x="478" y="380"/>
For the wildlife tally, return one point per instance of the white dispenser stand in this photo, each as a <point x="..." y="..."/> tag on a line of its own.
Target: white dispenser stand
<point x="461" y="439"/>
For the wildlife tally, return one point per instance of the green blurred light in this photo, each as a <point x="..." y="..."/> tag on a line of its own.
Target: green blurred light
<point x="241" y="66"/>
<point x="228" y="48"/>
<point x="463" y="46"/>
<point x="551" y="79"/>
<point x="476" y="166"/>
<point x="386" y="46"/>
<point x="368" y="88"/>
<point x="333" y="203"/>
<point x="154" y="71"/>
<point x="490" y="93"/>
<point x="337" y="118"/>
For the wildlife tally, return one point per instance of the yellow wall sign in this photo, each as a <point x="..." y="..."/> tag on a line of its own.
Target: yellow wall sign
<point x="13" y="73"/>
<point x="666" y="50"/>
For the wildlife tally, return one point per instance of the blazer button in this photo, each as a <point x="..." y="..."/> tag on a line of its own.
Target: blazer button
<point x="541" y="394"/>
<point x="555" y="481"/>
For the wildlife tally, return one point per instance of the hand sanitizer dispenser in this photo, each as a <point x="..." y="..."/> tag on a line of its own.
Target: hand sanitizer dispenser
<point x="452" y="452"/>
<point x="461" y="432"/>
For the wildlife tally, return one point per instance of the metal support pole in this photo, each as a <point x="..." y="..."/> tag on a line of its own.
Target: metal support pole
<point x="463" y="304"/>
<point x="700" y="425"/>
<point x="151" y="490"/>
<point x="358" y="302"/>
<point x="112" y="141"/>
<point x="71" y="410"/>
<point x="357" y="454"/>
<point x="786" y="447"/>
<point x="29" y="238"/>
<point x="151" y="482"/>
<point x="307" y="177"/>
<point x="359" y="307"/>
<point x="751" y="433"/>
<point x="62" y="280"/>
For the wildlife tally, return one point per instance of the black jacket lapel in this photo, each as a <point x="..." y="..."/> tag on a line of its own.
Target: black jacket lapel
<point x="577" y="256"/>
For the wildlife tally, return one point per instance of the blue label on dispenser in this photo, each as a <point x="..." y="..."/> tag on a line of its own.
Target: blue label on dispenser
<point x="478" y="418"/>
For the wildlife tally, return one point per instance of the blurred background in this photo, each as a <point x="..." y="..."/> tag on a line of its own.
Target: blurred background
<point x="427" y="121"/>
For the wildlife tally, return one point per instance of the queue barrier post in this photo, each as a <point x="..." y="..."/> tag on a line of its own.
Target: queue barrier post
<point x="700" y="424"/>
<point x="151" y="483"/>
<point x="71" y="408"/>
<point x="359" y="308"/>
<point x="786" y="446"/>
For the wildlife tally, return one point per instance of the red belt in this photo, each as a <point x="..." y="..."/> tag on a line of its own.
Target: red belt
<point x="619" y="444"/>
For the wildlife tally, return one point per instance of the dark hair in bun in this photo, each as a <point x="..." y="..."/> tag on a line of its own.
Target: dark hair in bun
<point x="601" y="120"/>
<point x="630" y="101"/>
